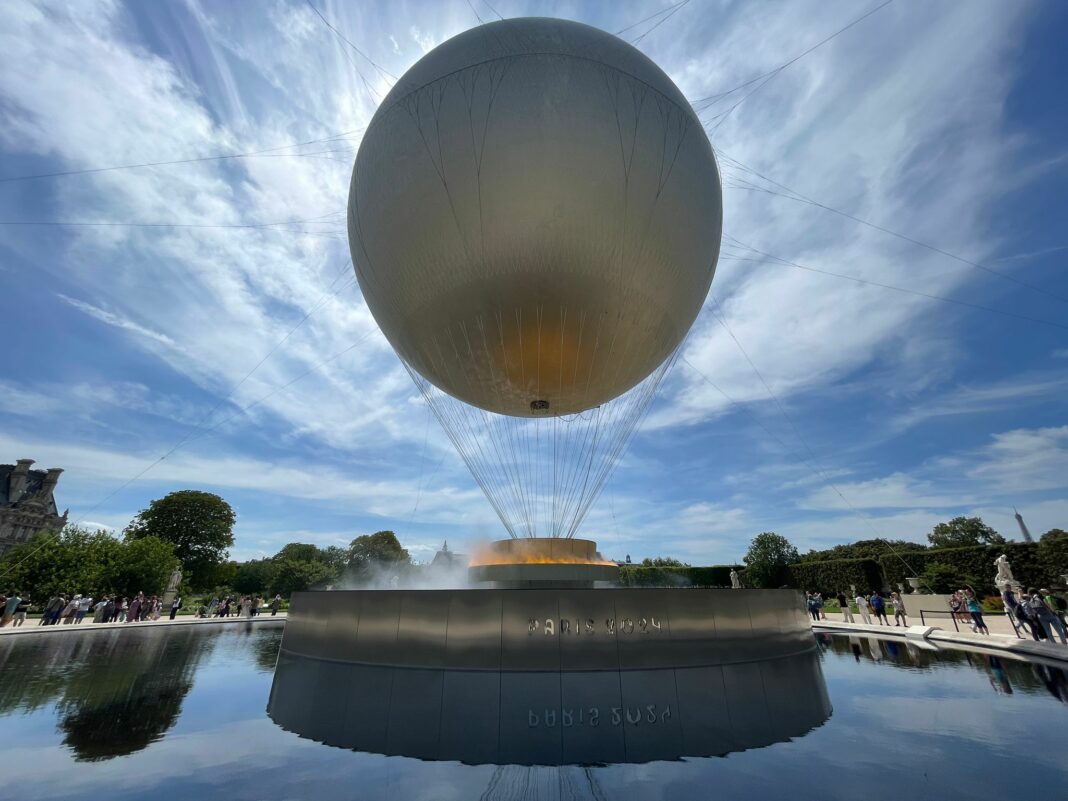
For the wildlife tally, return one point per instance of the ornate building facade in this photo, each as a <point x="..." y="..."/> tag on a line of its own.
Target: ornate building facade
<point x="27" y="502"/>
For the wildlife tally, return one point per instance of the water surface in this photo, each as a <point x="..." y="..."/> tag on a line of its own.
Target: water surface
<point x="179" y="713"/>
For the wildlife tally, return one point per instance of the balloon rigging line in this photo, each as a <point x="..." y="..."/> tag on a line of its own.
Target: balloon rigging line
<point x="717" y="313"/>
<point x="198" y="428"/>
<point x="769" y="75"/>
<point x="475" y="12"/>
<point x="495" y="11"/>
<point x="381" y="70"/>
<point x="916" y="292"/>
<point x="674" y="10"/>
<point x="738" y="405"/>
<point x="652" y="16"/>
<point x="270" y="226"/>
<point x="224" y="157"/>
<point x="798" y="197"/>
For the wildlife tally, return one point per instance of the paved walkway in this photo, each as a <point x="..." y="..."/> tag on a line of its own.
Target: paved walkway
<point x="996" y="640"/>
<point x="31" y="626"/>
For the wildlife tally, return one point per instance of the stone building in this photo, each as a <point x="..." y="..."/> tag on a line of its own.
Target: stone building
<point x="27" y="502"/>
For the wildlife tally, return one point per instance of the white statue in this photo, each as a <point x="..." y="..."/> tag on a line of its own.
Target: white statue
<point x="736" y="582"/>
<point x="1004" y="579"/>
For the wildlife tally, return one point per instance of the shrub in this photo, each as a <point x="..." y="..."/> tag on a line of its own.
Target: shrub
<point x="836" y="574"/>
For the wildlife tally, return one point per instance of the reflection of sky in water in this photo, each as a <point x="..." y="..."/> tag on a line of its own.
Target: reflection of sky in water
<point x="181" y="715"/>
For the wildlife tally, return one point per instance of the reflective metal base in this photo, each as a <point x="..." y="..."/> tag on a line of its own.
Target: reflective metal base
<point x="549" y="717"/>
<point x="561" y="629"/>
<point x="570" y="676"/>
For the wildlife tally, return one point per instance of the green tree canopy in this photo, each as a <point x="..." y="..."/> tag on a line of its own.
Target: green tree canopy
<point x="863" y="549"/>
<point x="255" y="576"/>
<point x="198" y="524"/>
<point x="94" y="563"/>
<point x="1054" y="534"/>
<point x="380" y="548"/>
<point x="291" y="575"/>
<point x="663" y="561"/>
<point x="143" y="565"/>
<point x="767" y="558"/>
<point x="941" y="578"/>
<point x="961" y="532"/>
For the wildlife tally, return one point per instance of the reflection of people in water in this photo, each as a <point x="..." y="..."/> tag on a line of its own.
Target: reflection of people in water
<point x="998" y="680"/>
<point x="1054" y="679"/>
<point x="854" y="645"/>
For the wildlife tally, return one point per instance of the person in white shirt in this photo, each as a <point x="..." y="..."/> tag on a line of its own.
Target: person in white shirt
<point x="862" y="608"/>
<point x="82" y="608"/>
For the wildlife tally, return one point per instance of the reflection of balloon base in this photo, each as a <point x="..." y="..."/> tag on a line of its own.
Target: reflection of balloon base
<point x="548" y="677"/>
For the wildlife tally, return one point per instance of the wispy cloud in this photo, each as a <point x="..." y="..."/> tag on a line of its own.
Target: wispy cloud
<point x="118" y="321"/>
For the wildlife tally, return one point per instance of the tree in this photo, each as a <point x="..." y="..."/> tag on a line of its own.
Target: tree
<point x="1054" y="534"/>
<point x="198" y="524"/>
<point x="380" y="548"/>
<point x="960" y="532"/>
<point x="291" y="575"/>
<point x="254" y="576"/>
<point x="863" y="549"/>
<point x="94" y="563"/>
<point x="941" y="578"/>
<point x="143" y="565"/>
<point x="300" y="566"/>
<point x="767" y="559"/>
<point x="663" y="561"/>
<point x="67" y="562"/>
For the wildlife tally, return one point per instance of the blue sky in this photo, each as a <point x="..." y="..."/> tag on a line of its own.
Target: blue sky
<point x="944" y="122"/>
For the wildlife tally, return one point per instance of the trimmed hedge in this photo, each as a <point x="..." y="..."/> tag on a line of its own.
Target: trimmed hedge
<point x="1034" y="564"/>
<point x="713" y="576"/>
<point x="836" y="575"/>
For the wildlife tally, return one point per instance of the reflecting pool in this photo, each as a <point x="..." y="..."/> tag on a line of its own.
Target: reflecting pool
<point x="182" y="713"/>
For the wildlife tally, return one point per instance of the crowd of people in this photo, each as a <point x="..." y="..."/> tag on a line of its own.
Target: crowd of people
<point x="868" y="607"/>
<point x="13" y="608"/>
<point x="1038" y="612"/>
<point x="73" y="608"/>
<point x="242" y="606"/>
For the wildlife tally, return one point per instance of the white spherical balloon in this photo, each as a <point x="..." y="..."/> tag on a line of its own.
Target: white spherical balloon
<point x="535" y="217"/>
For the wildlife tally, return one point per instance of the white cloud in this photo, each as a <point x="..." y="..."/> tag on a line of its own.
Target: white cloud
<point x="118" y="321"/>
<point x="868" y="124"/>
<point x="426" y="41"/>
<point x="897" y="491"/>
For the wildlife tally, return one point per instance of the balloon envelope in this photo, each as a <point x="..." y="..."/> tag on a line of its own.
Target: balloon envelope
<point x="534" y="217"/>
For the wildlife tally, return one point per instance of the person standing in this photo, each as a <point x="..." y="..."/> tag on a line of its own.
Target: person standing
<point x="275" y="604"/>
<point x="878" y="606"/>
<point x="899" y="609"/>
<point x="82" y="608"/>
<point x="7" y="611"/>
<point x="1058" y="605"/>
<point x="99" y="610"/>
<point x="20" y="612"/>
<point x="810" y="605"/>
<point x="1045" y="617"/>
<point x="70" y="609"/>
<point x="176" y="604"/>
<point x="135" y="609"/>
<point x="57" y="610"/>
<point x="975" y="609"/>
<point x="863" y="609"/>
<point x="843" y="604"/>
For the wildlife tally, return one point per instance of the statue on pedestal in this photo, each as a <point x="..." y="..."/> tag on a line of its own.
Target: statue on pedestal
<point x="736" y="581"/>
<point x="172" y="588"/>
<point x="1004" y="579"/>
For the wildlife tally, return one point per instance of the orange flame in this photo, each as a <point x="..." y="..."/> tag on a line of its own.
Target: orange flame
<point x="489" y="556"/>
